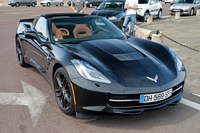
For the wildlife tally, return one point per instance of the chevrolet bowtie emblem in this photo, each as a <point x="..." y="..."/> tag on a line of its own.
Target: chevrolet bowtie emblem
<point x="153" y="79"/>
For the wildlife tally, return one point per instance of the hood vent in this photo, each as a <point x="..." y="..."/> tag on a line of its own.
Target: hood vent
<point x="129" y="56"/>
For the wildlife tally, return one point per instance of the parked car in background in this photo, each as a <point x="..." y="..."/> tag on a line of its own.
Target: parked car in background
<point x="113" y="10"/>
<point x="149" y="7"/>
<point x="52" y="2"/>
<point x="18" y="3"/>
<point x="91" y="3"/>
<point x="69" y="2"/>
<point x="185" y="7"/>
<point x="168" y="1"/>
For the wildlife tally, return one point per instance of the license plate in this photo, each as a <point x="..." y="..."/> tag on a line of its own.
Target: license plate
<point x="177" y="10"/>
<point x="147" y="98"/>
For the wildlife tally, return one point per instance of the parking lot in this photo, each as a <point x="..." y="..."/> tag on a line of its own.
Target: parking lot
<point x="45" y="116"/>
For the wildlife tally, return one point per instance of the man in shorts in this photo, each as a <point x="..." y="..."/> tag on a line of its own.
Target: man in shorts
<point x="78" y="6"/>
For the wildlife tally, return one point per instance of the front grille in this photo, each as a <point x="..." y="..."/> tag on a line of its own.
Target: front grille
<point x="132" y="100"/>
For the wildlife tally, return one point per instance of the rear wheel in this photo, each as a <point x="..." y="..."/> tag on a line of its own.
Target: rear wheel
<point x="61" y="4"/>
<point x="33" y="4"/>
<point x="19" y="52"/>
<point x="48" y="4"/>
<point x="63" y="91"/>
<point x="121" y="24"/>
<point x="17" y="4"/>
<point x="90" y="5"/>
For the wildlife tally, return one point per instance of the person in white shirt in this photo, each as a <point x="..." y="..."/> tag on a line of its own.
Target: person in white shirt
<point x="131" y="6"/>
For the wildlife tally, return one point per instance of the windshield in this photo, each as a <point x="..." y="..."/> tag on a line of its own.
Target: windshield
<point x="183" y="1"/>
<point x="143" y="1"/>
<point x="114" y="5"/>
<point x="78" y="29"/>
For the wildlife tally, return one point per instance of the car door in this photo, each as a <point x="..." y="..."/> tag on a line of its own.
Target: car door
<point x="36" y="52"/>
<point x="153" y="7"/>
<point x="22" y="2"/>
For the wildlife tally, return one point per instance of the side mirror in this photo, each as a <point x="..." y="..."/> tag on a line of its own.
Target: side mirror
<point x="151" y="3"/>
<point x="31" y="34"/>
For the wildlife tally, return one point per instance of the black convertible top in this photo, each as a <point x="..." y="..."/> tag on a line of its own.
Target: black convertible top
<point x="52" y="15"/>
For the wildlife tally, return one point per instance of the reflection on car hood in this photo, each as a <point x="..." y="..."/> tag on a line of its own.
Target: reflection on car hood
<point x="105" y="13"/>
<point x="123" y="63"/>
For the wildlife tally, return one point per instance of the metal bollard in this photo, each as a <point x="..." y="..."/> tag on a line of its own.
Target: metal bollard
<point x="150" y="19"/>
<point x="157" y="38"/>
<point x="198" y="12"/>
<point x="177" y="15"/>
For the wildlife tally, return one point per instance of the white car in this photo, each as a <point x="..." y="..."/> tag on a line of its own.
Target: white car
<point x="168" y="1"/>
<point x="149" y="7"/>
<point x="52" y="2"/>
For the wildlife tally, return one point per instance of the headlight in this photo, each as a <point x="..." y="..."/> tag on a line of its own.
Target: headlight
<point x="177" y="60"/>
<point x="186" y="8"/>
<point x="112" y="18"/>
<point x="140" y="9"/>
<point x="89" y="72"/>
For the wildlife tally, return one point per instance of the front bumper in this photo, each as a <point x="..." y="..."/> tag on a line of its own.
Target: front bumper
<point x="99" y="100"/>
<point x="182" y="12"/>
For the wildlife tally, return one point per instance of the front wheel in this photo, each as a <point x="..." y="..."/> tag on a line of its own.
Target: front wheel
<point x="63" y="91"/>
<point x="146" y="15"/>
<point x="160" y="14"/>
<point x="192" y="12"/>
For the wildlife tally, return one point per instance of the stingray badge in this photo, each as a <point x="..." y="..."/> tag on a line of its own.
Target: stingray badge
<point x="153" y="79"/>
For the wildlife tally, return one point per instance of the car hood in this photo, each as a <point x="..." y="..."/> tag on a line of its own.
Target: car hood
<point x="105" y="13"/>
<point x="125" y="64"/>
<point x="180" y="5"/>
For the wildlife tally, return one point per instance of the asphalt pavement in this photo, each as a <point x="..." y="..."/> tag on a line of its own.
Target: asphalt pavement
<point x="183" y="36"/>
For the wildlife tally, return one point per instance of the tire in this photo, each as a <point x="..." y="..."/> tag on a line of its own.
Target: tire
<point x="121" y="24"/>
<point x="63" y="91"/>
<point x="61" y="4"/>
<point x="33" y="4"/>
<point x="19" y="52"/>
<point x="48" y="4"/>
<point x="17" y="4"/>
<point x="160" y="14"/>
<point x="90" y="5"/>
<point x="146" y="15"/>
<point x="192" y="12"/>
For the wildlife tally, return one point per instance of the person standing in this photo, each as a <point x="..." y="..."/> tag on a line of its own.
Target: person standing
<point x="131" y="6"/>
<point x="78" y="6"/>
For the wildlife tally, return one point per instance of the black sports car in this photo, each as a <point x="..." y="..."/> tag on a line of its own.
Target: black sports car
<point x="113" y="10"/>
<point x="94" y="67"/>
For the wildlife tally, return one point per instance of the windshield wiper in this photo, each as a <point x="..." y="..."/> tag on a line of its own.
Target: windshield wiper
<point x="69" y="42"/>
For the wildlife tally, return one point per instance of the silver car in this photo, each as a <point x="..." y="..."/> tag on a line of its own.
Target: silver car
<point x="52" y="2"/>
<point x="188" y="7"/>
